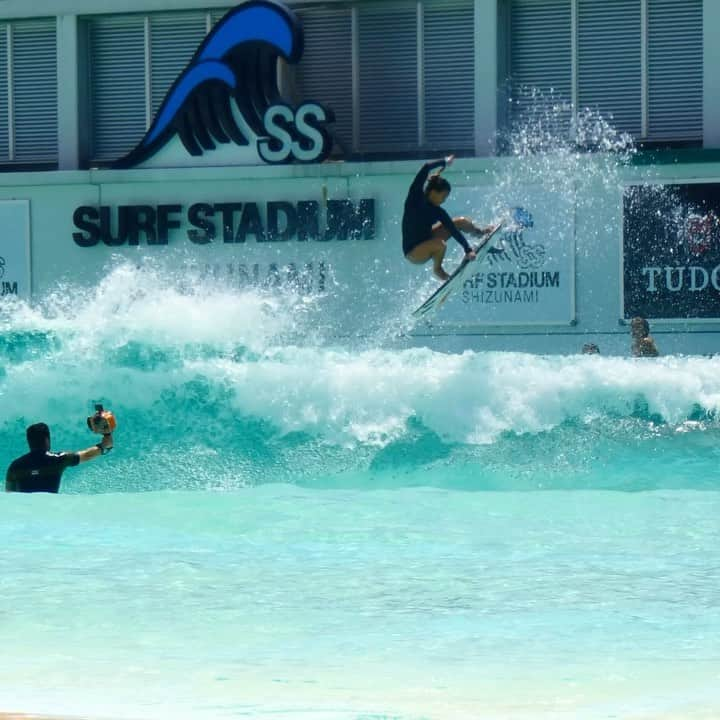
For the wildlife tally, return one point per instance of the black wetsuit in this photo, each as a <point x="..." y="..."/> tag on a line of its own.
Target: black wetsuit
<point x="420" y="214"/>
<point x="39" y="471"/>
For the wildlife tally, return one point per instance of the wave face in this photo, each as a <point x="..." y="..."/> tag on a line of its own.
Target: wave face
<point x="226" y="389"/>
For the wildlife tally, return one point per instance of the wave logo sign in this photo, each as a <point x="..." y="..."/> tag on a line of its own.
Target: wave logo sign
<point x="514" y="247"/>
<point x="229" y="93"/>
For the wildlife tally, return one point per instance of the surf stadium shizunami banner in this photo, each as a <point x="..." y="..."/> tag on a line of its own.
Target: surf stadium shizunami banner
<point x="532" y="281"/>
<point x="671" y="251"/>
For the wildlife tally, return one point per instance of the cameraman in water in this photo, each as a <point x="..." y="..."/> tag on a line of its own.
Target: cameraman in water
<point x="41" y="470"/>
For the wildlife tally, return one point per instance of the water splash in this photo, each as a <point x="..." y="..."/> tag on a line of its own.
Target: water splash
<point x="547" y="123"/>
<point x="574" y="152"/>
<point x="233" y="402"/>
<point x="223" y="387"/>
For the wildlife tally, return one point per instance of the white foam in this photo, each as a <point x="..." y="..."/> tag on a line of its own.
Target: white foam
<point x="139" y="335"/>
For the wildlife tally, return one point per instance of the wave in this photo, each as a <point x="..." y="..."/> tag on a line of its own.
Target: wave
<point x="213" y="389"/>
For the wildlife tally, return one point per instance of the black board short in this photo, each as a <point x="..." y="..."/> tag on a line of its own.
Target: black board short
<point x="410" y="243"/>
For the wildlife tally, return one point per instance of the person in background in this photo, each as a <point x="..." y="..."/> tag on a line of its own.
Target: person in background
<point x="41" y="470"/>
<point x="590" y="349"/>
<point x="643" y="344"/>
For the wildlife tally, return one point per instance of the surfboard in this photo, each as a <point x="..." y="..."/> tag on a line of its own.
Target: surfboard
<point x="456" y="280"/>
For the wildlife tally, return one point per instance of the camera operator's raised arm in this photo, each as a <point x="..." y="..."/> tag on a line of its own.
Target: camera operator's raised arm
<point x="102" y="448"/>
<point x="41" y="470"/>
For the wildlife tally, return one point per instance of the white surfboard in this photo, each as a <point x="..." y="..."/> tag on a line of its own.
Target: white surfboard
<point x="456" y="280"/>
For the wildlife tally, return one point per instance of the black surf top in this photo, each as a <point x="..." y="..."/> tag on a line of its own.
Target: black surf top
<point x="420" y="214"/>
<point x="39" y="471"/>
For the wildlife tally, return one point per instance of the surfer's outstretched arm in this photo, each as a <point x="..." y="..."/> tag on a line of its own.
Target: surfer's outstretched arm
<point x="102" y="448"/>
<point x="418" y="183"/>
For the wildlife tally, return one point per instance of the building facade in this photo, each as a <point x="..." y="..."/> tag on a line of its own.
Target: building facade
<point x="501" y="83"/>
<point x="80" y="86"/>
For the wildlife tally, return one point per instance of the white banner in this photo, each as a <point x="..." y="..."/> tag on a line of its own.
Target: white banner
<point x="15" y="249"/>
<point x="532" y="282"/>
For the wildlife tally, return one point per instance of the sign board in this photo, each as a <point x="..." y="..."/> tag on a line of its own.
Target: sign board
<point x="671" y="251"/>
<point x="226" y="107"/>
<point x="15" y="249"/>
<point x="533" y="281"/>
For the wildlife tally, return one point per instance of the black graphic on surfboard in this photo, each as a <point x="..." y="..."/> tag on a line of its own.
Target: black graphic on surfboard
<point x="455" y="280"/>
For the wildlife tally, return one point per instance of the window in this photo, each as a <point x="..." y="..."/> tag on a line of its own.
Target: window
<point x="399" y="75"/>
<point x="28" y="92"/>
<point x="325" y="70"/>
<point x="117" y="85"/>
<point x="609" y="61"/>
<point x="448" y="75"/>
<point x="388" y="89"/>
<point x="173" y="41"/>
<point x="675" y="70"/>
<point x="541" y="65"/>
<point x="637" y="62"/>
<point x="133" y="61"/>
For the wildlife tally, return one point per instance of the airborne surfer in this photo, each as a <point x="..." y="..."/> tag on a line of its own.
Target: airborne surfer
<point x="426" y="227"/>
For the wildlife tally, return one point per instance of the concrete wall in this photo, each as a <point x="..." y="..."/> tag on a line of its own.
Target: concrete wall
<point x="367" y="287"/>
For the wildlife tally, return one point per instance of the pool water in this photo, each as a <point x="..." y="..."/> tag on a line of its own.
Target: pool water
<point x="332" y="529"/>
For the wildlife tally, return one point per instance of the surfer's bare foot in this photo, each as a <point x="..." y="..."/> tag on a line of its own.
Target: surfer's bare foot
<point x="479" y="231"/>
<point x="440" y="274"/>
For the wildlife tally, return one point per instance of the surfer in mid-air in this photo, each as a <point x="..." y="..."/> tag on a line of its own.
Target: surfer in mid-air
<point x="426" y="227"/>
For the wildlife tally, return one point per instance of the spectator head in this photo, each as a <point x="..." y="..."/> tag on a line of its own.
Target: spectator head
<point x="639" y="327"/>
<point x="642" y="344"/>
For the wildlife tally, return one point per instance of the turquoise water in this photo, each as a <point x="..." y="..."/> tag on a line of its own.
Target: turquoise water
<point x="296" y="526"/>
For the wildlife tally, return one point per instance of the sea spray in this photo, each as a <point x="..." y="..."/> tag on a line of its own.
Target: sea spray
<point x="213" y="390"/>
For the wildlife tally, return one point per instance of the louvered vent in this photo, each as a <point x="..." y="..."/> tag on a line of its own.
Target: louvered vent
<point x="324" y="73"/>
<point x="609" y="62"/>
<point x="675" y="69"/>
<point x="4" y="115"/>
<point x="449" y="74"/>
<point x="173" y="41"/>
<point x="35" y="90"/>
<point x="117" y="57"/>
<point x="541" y="66"/>
<point x="388" y="77"/>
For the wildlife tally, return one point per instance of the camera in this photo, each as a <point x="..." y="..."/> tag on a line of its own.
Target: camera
<point x="102" y="422"/>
